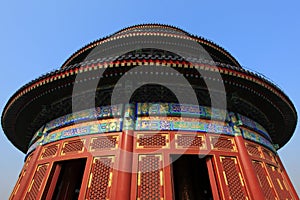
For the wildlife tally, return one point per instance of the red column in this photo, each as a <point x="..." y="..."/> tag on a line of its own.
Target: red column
<point x="286" y="177"/>
<point x="29" y="173"/>
<point x="123" y="186"/>
<point x="249" y="172"/>
<point x="212" y="178"/>
<point x="86" y="175"/>
<point x="53" y="182"/>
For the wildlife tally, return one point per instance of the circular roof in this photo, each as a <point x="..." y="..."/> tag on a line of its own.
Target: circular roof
<point x="50" y="96"/>
<point x="217" y="53"/>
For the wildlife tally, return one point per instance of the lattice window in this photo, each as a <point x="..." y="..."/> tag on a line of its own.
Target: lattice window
<point x="152" y="140"/>
<point x="190" y="141"/>
<point x="74" y="146"/>
<point x="268" y="155"/>
<point x="36" y="182"/>
<point x="100" y="178"/>
<point x="104" y="142"/>
<point x="49" y="151"/>
<point x="22" y="174"/>
<point x="278" y="182"/>
<point x="222" y="143"/>
<point x="264" y="180"/>
<point x="253" y="150"/>
<point x="150" y="178"/>
<point x="233" y="178"/>
<point x="276" y="159"/>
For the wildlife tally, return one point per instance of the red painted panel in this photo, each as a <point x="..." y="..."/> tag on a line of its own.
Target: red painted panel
<point x="35" y="184"/>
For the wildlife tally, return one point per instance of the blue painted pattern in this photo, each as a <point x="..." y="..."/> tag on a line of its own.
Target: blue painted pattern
<point x="147" y="117"/>
<point x="101" y="126"/>
<point x="253" y="125"/>
<point x="82" y="129"/>
<point x="184" y="124"/>
<point x="85" y="115"/>
<point x="175" y="109"/>
<point x="255" y="137"/>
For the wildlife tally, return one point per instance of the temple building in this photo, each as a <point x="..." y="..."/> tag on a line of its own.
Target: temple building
<point x="151" y="112"/>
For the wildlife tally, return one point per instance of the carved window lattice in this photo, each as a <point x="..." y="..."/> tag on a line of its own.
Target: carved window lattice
<point x="278" y="182"/>
<point x="276" y="160"/>
<point x="100" y="178"/>
<point x="264" y="181"/>
<point x="152" y="140"/>
<point x="150" y="178"/>
<point x="190" y="141"/>
<point x="49" y="151"/>
<point x="222" y="143"/>
<point x="253" y="150"/>
<point x="268" y="155"/>
<point x="36" y="182"/>
<point x="22" y="174"/>
<point x="73" y="146"/>
<point x="233" y="178"/>
<point x="104" y="142"/>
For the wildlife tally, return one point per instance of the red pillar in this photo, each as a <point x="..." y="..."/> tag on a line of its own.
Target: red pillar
<point x="249" y="172"/>
<point x="29" y="174"/>
<point x="286" y="177"/>
<point x="123" y="186"/>
<point x="212" y="178"/>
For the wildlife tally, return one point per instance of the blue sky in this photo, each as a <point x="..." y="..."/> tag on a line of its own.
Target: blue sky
<point x="37" y="37"/>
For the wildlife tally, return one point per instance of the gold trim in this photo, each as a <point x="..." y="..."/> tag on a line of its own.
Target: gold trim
<point x="233" y="145"/>
<point x="113" y="158"/>
<point x="225" y="178"/>
<point x="44" y="150"/>
<point x="139" y="178"/>
<point x="117" y="141"/>
<point x="90" y="148"/>
<point x="139" y="135"/>
<point x="161" y="178"/>
<point x="203" y="140"/>
<point x="17" y="188"/>
<point x="90" y="180"/>
<point x="285" y="185"/>
<point x="231" y="138"/>
<point x="235" y="161"/>
<point x="110" y="179"/>
<point x="269" y="181"/>
<point x="67" y="142"/>
<point x="160" y="157"/>
<point x="241" y="179"/>
<point x="279" y="183"/>
<point x="141" y="157"/>
<point x="30" y="186"/>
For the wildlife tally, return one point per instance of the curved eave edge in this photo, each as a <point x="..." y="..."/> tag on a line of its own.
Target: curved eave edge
<point x="62" y="73"/>
<point x="54" y="77"/>
<point x="96" y="42"/>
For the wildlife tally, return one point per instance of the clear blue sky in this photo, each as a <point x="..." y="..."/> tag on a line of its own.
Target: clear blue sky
<point x="38" y="36"/>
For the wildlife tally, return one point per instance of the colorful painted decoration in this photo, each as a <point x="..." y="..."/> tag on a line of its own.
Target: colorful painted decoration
<point x="34" y="145"/>
<point x="85" y="115"/>
<point x="183" y="124"/>
<point x="253" y="125"/>
<point x="151" y="116"/>
<point x="129" y="117"/>
<point x="37" y="136"/>
<point x="250" y="135"/>
<point x="101" y="126"/>
<point x="175" y="109"/>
